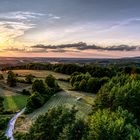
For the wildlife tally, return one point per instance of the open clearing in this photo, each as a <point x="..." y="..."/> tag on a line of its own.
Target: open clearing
<point x="14" y="103"/>
<point x="87" y="97"/>
<point x="60" y="99"/>
<point x="40" y="73"/>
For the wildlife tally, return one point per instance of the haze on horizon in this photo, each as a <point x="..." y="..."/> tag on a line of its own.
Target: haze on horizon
<point x="28" y="28"/>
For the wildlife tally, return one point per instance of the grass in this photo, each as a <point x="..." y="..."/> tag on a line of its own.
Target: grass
<point x="87" y="97"/>
<point x="40" y="73"/>
<point x="60" y="99"/>
<point x="14" y="103"/>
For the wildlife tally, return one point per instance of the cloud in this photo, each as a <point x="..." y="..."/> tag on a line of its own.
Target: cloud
<point x="52" y="16"/>
<point x="15" y="49"/>
<point x="20" y="15"/>
<point x="76" y="47"/>
<point x="11" y="30"/>
<point x="15" y="24"/>
<point x="83" y="46"/>
<point x="25" y="50"/>
<point x="37" y="50"/>
<point x="121" y="23"/>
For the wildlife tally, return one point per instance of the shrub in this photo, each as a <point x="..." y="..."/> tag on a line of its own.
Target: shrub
<point x="107" y="125"/>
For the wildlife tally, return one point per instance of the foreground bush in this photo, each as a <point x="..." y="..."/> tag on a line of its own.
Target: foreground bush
<point x="57" y="124"/>
<point x="3" y="125"/>
<point x="121" y="91"/>
<point x="62" y="124"/>
<point x="107" y="125"/>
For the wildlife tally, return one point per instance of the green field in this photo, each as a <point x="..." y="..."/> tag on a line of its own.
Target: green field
<point x="13" y="100"/>
<point x="14" y="103"/>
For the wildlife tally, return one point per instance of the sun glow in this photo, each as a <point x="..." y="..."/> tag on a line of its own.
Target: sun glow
<point x="2" y="41"/>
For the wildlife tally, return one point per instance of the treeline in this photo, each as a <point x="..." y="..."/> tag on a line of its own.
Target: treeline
<point x="41" y="92"/>
<point x="95" y="71"/>
<point x="87" y="83"/>
<point x="12" y="79"/>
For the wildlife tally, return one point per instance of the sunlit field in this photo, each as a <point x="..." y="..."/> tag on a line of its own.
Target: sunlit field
<point x="14" y="103"/>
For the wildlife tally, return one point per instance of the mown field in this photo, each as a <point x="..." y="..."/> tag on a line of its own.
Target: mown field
<point x="60" y="99"/>
<point x="13" y="101"/>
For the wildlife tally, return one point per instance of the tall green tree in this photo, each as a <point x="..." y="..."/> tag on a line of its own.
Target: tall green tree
<point x="29" y="78"/>
<point x="121" y="91"/>
<point x="11" y="79"/>
<point x="34" y="101"/>
<point x="107" y="125"/>
<point x="50" y="81"/>
<point x="38" y="86"/>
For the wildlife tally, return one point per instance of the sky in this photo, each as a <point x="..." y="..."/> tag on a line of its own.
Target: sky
<point x="99" y="26"/>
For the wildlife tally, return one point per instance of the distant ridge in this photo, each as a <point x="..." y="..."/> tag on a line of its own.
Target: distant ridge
<point x="10" y="61"/>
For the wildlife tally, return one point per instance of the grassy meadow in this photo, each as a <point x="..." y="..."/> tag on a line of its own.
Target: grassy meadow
<point x="60" y="99"/>
<point x="14" y="103"/>
<point x="13" y="100"/>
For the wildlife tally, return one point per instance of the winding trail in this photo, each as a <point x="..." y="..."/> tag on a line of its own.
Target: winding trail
<point x="10" y="128"/>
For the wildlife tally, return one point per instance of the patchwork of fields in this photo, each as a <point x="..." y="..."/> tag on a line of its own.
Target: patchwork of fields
<point x="14" y="101"/>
